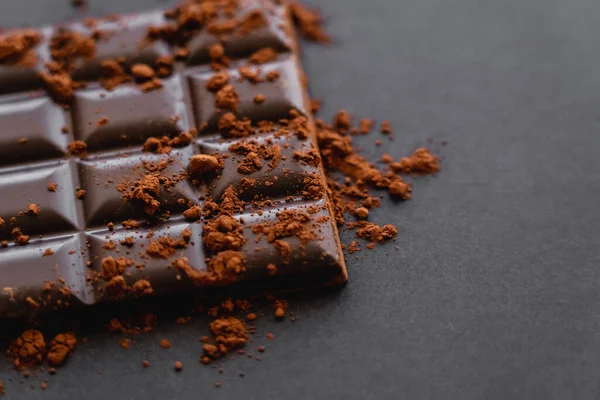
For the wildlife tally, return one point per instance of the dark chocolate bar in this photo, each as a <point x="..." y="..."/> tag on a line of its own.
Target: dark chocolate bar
<point x="129" y="216"/>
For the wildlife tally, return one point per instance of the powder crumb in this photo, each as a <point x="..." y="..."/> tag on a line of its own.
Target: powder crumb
<point x="386" y="127"/>
<point x="48" y="252"/>
<point x="361" y="213"/>
<point x="102" y="121"/>
<point x="201" y="164"/>
<point x="145" y="363"/>
<point x="178" y="366"/>
<point x="80" y="194"/>
<point x="272" y="269"/>
<point x="125" y="343"/>
<point x="33" y="209"/>
<point x="78" y="148"/>
<point x="165" y="344"/>
<point x="262" y="56"/>
<point x="142" y="72"/>
<point x="309" y="23"/>
<point x="270" y="336"/>
<point x="52" y="187"/>
<point x="420" y="162"/>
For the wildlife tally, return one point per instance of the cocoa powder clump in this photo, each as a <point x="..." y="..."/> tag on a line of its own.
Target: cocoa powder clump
<point x="62" y="345"/>
<point x="201" y="164"/>
<point x="262" y="56"/>
<point x="373" y="232"/>
<point x="420" y="162"/>
<point x="28" y="350"/>
<point x="78" y="148"/>
<point x="309" y="23"/>
<point x="16" y="47"/>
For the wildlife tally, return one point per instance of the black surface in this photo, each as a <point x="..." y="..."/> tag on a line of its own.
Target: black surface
<point x="493" y="292"/>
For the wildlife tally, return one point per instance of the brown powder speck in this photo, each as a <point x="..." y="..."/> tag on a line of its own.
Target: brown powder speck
<point x="125" y="343"/>
<point x="217" y="81"/>
<point x="201" y="164"/>
<point x="279" y="308"/>
<point x="142" y="288"/>
<point x="386" y="127"/>
<point x="80" y="194"/>
<point x="33" y="209"/>
<point x="365" y="126"/>
<point x="259" y="99"/>
<point x="262" y="56"/>
<point x="309" y="23"/>
<point x="216" y="51"/>
<point x="19" y="237"/>
<point x="227" y="98"/>
<point x="145" y="363"/>
<point x="112" y="74"/>
<point x="420" y="162"/>
<point x="142" y="72"/>
<point x="48" y="252"/>
<point x="102" y="121"/>
<point x="342" y="121"/>
<point x="130" y="224"/>
<point x="272" y="269"/>
<point x="178" y="366"/>
<point x="373" y="232"/>
<point x="361" y="213"/>
<point x="272" y="76"/>
<point x="52" y="187"/>
<point x="193" y="213"/>
<point x="165" y="344"/>
<point x="78" y="148"/>
<point x="60" y="86"/>
<point x="250" y="164"/>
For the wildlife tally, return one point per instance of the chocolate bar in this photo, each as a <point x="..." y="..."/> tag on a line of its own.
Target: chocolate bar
<point x="185" y="157"/>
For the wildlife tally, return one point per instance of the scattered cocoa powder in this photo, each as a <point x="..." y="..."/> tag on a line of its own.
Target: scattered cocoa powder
<point x="52" y="187"/>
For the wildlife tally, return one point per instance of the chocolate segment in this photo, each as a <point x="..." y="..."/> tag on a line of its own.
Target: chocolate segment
<point x="165" y="178"/>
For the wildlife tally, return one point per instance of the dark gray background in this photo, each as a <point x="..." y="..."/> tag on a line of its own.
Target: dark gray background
<point x="494" y="291"/>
